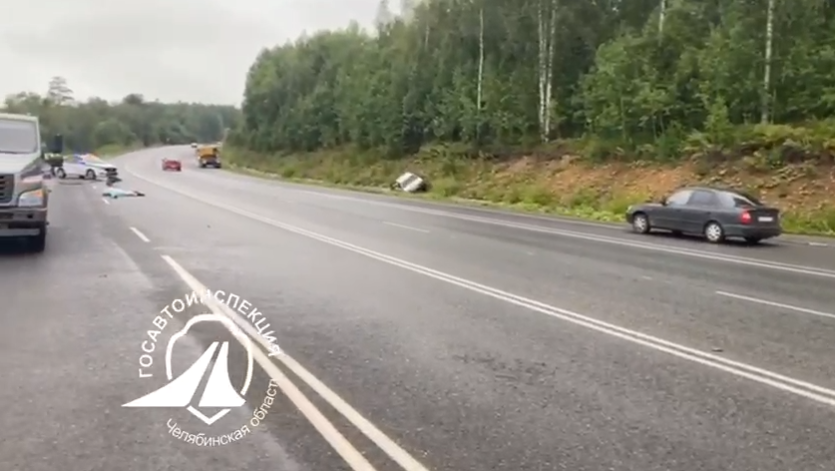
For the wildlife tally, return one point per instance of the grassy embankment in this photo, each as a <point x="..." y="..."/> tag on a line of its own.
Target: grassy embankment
<point x="790" y="167"/>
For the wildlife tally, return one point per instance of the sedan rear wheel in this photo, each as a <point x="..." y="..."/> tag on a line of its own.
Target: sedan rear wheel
<point x="640" y="223"/>
<point x="714" y="232"/>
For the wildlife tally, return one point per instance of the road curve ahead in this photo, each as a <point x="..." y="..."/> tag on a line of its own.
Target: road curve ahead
<point x="364" y="332"/>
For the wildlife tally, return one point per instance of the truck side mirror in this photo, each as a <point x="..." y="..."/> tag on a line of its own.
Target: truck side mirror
<point x="57" y="146"/>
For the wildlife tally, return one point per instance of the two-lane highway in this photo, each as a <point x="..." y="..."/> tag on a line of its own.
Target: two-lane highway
<point x="753" y="303"/>
<point x="417" y="335"/>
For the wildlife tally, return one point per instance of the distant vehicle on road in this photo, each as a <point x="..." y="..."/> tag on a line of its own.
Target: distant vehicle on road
<point x="714" y="213"/>
<point x="85" y="166"/>
<point x="208" y="156"/>
<point x="172" y="164"/>
<point x="194" y="145"/>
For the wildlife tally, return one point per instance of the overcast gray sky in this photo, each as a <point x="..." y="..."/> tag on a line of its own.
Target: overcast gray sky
<point x="189" y="50"/>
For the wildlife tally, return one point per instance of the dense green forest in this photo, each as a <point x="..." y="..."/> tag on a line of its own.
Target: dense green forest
<point x="132" y="122"/>
<point x="646" y="77"/>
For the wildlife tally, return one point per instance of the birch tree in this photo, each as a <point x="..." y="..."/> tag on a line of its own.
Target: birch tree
<point x="662" y="14"/>
<point x="546" y="23"/>
<point x="480" y="87"/>
<point x="769" y="46"/>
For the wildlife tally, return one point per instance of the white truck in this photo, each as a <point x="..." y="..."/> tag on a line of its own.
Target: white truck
<point x="24" y="197"/>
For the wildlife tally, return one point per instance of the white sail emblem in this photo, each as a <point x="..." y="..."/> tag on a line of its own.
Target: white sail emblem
<point x="219" y="391"/>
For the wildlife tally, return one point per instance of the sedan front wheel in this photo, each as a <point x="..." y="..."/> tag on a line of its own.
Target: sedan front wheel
<point x="640" y="223"/>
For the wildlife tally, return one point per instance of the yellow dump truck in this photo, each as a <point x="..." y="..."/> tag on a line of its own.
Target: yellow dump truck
<point x="208" y="156"/>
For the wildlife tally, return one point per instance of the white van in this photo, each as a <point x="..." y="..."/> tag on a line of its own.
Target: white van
<point x="87" y="167"/>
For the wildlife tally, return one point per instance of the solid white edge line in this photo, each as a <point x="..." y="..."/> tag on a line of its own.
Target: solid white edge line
<point x="105" y="201"/>
<point x="766" y="302"/>
<point x="681" y="251"/>
<point x="486" y="210"/>
<point x="757" y="374"/>
<point x="392" y="449"/>
<point x="402" y="226"/>
<point x="727" y="258"/>
<point x="141" y="236"/>
<point x="340" y="444"/>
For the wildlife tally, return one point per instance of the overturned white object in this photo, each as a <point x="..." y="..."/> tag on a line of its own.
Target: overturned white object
<point x="410" y="183"/>
<point x="119" y="193"/>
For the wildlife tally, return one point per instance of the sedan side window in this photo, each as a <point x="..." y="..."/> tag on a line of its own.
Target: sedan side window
<point x="680" y="198"/>
<point x="703" y="198"/>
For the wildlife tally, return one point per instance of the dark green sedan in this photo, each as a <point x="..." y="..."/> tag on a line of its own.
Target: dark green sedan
<point x="714" y="213"/>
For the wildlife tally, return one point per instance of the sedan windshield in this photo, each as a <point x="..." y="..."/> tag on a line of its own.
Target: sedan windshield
<point x="18" y="137"/>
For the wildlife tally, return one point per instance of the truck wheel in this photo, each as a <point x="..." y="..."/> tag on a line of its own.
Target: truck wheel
<point x="61" y="173"/>
<point x="38" y="242"/>
<point x="90" y="174"/>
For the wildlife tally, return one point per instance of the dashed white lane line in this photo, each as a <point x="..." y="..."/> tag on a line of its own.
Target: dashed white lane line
<point x="105" y="201"/>
<point x="681" y="251"/>
<point x="744" y="370"/>
<point x="760" y="375"/>
<point x="139" y="234"/>
<point x="766" y="302"/>
<point x="402" y="226"/>
<point x="339" y="443"/>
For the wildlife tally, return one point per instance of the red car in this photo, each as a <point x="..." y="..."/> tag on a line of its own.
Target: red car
<point x="171" y="164"/>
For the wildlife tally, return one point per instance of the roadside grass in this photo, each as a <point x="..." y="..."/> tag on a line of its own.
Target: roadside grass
<point x="566" y="188"/>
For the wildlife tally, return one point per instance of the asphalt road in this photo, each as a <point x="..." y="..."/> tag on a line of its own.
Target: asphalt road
<point x="415" y="336"/>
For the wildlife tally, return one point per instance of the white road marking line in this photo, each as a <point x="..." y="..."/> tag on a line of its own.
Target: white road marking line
<point x="773" y="265"/>
<point x="139" y="234"/>
<point x="724" y="258"/>
<point x="465" y="205"/>
<point x="401" y="226"/>
<point x="777" y="305"/>
<point x="759" y="375"/>
<point x="105" y="200"/>
<point x="340" y="444"/>
<point x="376" y="198"/>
